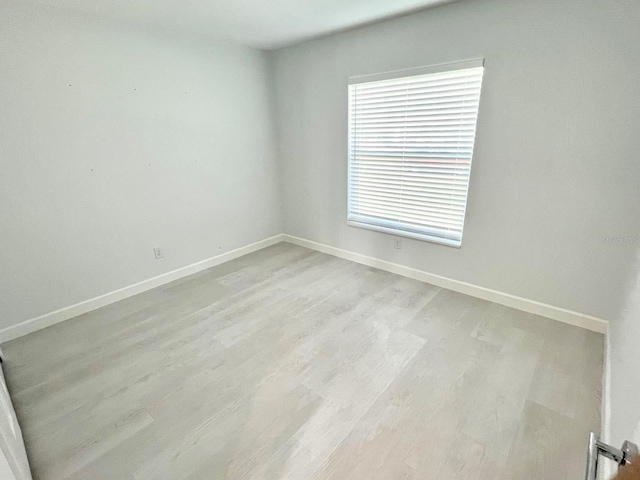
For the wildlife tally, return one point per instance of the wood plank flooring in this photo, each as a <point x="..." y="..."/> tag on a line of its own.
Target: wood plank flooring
<point x="292" y="364"/>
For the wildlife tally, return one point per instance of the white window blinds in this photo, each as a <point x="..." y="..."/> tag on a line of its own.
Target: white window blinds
<point x="410" y="149"/>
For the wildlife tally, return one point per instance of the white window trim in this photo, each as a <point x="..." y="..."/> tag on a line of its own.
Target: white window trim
<point x="411" y="72"/>
<point x="388" y="227"/>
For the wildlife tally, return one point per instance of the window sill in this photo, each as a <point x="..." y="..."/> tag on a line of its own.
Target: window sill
<point x="407" y="234"/>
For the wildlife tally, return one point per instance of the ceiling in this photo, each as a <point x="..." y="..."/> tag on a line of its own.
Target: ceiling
<point x="264" y="24"/>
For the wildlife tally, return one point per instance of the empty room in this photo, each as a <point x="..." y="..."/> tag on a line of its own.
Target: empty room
<point x="319" y="240"/>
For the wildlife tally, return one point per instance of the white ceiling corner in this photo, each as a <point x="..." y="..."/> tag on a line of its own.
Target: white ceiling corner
<point x="264" y="24"/>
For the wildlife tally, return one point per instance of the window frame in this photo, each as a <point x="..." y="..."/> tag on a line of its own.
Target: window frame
<point x="381" y="225"/>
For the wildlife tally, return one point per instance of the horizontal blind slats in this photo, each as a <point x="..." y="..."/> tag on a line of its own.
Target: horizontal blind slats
<point x="411" y="209"/>
<point x="453" y="82"/>
<point x="395" y="170"/>
<point x="364" y="98"/>
<point x="430" y="203"/>
<point x="455" y="117"/>
<point x="434" y="177"/>
<point x="415" y="144"/>
<point x="447" y="197"/>
<point x="434" y="127"/>
<point x="405" y="135"/>
<point x="439" y="111"/>
<point x="415" y="185"/>
<point x="417" y="80"/>
<point x="417" y="101"/>
<point x="412" y="158"/>
<point x="443" y="169"/>
<point x="412" y="104"/>
<point x="422" y="155"/>
<point x="411" y="143"/>
<point x="409" y="156"/>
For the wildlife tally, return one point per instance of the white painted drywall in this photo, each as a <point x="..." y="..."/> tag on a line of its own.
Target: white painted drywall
<point x="259" y="23"/>
<point x="625" y="369"/>
<point x="115" y="140"/>
<point x="556" y="164"/>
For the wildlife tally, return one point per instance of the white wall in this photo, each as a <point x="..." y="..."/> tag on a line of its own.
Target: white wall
<point x="556" y="163"/>
<point x="113" y="141"/>
<point x="625" y="368"/>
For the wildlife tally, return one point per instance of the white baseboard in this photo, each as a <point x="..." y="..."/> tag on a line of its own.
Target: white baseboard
<point x="531" y="306"/>
<point x="57" y="316"/>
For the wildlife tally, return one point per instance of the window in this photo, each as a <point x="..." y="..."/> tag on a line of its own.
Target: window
<point x="410" y="150"/>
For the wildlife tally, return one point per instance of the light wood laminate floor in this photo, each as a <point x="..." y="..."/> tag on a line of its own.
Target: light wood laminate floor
<point x="288" y="363"/>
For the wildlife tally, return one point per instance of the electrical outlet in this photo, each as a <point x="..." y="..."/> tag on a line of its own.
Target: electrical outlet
<point x="158" y="253"/>
<point x="397" y="243"/>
